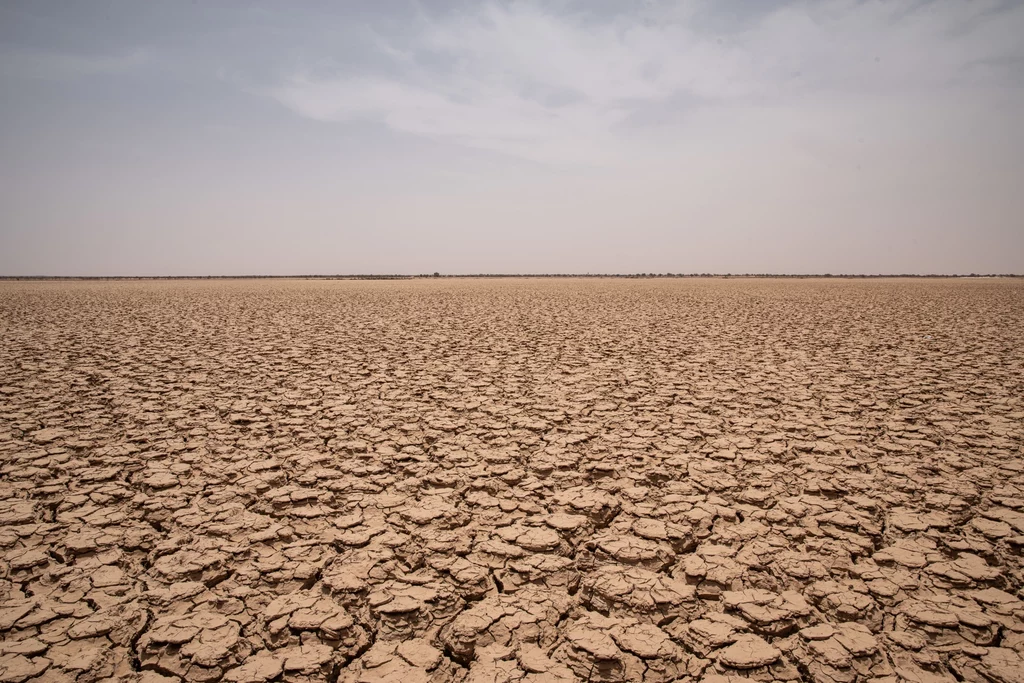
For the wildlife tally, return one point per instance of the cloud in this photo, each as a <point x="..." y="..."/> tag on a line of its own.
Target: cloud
<point x="568" y="87"/>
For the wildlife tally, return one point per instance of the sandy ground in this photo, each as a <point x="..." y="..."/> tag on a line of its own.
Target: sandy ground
<point x="512" y="480"/>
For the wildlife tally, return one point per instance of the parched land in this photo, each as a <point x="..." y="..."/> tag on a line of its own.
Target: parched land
<point x="512" y="480"/>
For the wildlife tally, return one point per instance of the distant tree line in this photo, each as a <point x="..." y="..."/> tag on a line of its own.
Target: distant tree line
<point x="719" y="275"/>
<point x="502" y="275"/>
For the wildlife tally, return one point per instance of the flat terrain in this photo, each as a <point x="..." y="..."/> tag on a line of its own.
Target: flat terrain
<point x="512" y="480"/>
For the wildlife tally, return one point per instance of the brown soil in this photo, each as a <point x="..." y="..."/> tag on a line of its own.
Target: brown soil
<point x="512" y="480"/>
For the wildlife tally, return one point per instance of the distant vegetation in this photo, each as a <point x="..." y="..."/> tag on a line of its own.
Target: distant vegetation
<point x="498" y="275"/>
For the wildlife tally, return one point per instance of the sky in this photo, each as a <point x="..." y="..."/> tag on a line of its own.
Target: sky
<point x="589" y="136"/>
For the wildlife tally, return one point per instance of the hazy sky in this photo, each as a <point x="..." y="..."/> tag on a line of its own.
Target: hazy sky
<point x="149" y="138"/>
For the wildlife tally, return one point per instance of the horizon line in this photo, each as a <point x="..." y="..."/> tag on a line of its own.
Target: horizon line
<point x="438" y="275"/>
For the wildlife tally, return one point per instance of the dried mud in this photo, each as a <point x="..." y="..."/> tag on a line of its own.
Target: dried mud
<point x="511" y="480"/>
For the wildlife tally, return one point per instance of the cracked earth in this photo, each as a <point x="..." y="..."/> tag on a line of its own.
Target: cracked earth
<point x="512" y="480"/>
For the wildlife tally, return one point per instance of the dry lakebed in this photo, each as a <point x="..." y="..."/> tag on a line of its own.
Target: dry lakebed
<point x="512" y="480"/>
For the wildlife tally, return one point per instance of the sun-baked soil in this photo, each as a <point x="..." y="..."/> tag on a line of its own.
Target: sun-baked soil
<point x="512" y="480"/>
